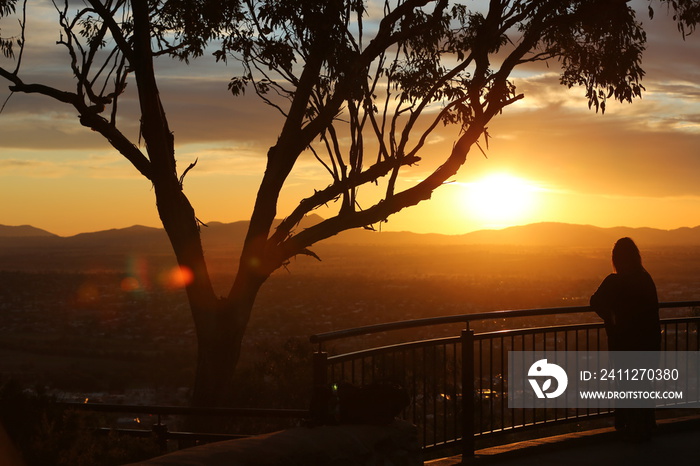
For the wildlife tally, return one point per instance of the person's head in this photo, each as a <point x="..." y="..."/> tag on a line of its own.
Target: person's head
<point x="625" y="256"/>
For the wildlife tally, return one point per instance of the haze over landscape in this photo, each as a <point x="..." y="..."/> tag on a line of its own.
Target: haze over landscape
<point x="106" y="310"/>
<point x="141" y="257"/>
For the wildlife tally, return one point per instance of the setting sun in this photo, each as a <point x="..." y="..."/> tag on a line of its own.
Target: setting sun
<point x="500" y="200"/>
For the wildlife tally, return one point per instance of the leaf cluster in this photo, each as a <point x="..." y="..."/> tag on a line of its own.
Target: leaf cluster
<point x="275" y="39"/>
<point x="599" y="45"/>
<point x="184" y="28"/>
<point x="686" y="13"/>
<point x="421" y="64"/>
<point x="7" y="8"/>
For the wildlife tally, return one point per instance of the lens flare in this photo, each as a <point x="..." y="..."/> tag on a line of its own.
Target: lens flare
<point x="137" y="274"/>
<point x="130" y="284"/>
<point x="178" y="277"/>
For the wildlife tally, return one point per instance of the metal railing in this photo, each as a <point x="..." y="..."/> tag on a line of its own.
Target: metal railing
<point x="457" y="384"/>
<point x="160" y="431"/>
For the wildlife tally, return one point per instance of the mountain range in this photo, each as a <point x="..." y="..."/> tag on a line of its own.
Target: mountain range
<point x="26" y="246"/>
<point x="230" y="235"/>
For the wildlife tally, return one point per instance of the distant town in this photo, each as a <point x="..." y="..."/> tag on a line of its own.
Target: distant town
<point x="106" y="326"/>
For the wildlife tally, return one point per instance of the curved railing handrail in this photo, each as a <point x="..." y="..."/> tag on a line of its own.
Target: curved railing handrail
<point x="161" y="410"/>
<point x="481" y="336"/>
<point x="466" y="319"/>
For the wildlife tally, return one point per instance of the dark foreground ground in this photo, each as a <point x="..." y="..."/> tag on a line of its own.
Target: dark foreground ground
<point x="676" y="443"/>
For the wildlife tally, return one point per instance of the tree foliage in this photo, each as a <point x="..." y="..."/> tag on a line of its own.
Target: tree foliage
<point x="7" y="8"/>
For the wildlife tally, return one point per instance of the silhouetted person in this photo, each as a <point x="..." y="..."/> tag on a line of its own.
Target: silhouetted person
<point x="628" y="304"/>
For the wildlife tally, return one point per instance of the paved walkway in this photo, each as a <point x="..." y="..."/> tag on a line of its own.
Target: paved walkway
<point x="677" y="443"/>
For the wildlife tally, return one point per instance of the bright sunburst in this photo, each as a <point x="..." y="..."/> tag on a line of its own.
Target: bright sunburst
<point x="500" y="200"/>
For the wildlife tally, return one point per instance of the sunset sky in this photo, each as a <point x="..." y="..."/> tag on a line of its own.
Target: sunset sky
<point x="550" y="157"/>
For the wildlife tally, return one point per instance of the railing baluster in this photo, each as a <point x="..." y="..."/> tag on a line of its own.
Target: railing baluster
<point x="444" y="393"/>
<point x="524" y="411"/>
<point x="435" y="393"/>
<point x="455" y="398"/>
<point x="503" y="379"/>
<point x="468" y="395"/>
<point x="414" y="392"/>
<point x="480" y="391"/>
<point x="320" y="383"/>
<point x="424" y="413"/>
<point x="676" y="348"/>
<point x="490" y="384"/>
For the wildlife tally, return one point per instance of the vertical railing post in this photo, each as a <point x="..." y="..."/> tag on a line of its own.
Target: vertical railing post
<point x="319" y="395"/>
<point x="468" y="394"/>
<point x="160" y="432"/>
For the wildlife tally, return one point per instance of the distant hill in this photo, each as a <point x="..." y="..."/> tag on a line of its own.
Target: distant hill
<point x="562" y="234"/>
<point x="114" y="249"/>
<point x="22" y="231"/>
<point x="536" y="234"/>
<point x="29" y="248"/>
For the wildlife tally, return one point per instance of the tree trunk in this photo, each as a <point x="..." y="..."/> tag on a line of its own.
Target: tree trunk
<point x="218" y="353"/>
<point x="219" y="323"/>
<point x="219" y="344"/>
<point x="220" y="332"/>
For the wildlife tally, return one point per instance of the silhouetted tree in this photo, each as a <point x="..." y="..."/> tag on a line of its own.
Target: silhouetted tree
<point x="361" y="85"/>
